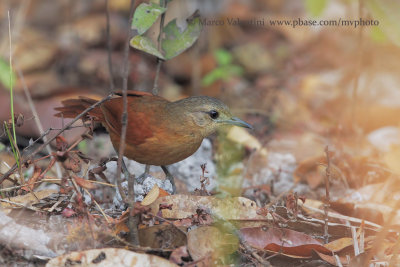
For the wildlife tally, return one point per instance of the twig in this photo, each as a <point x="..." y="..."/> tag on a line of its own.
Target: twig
<point x="253" y="253"/>
<point x="97" y="205"/>
<point x="159" y="61"/>
<point x="110" y="68"/>
<point x="30" y="207"/>
<point x="87" y="214"/>
<point x="242" y="241"/>
<point x="56" y="204"/>
<point x="49" y="179"/>
<point x="36" y="118"/>
<point x="335" y="216"/>
<point x="133" y="220"/>
<point x="131" y="190"/>
<point x="327" y="200"/>
<point x="169" y="222"/>
<point x="30" y="157"/>
<point x="54" y="129"/>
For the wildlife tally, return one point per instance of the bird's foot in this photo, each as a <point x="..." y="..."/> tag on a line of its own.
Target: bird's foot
<point x="140" y="179"/>
<point x="169" y="176"/>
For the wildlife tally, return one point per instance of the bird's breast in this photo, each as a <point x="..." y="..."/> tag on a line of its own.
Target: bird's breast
<point x="162" y="148"/>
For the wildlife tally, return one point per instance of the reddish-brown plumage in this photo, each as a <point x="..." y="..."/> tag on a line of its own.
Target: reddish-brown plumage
<point x="159" y="132"/>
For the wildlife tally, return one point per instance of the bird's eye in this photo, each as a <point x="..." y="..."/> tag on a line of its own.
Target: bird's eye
<point x="214" y="114"/>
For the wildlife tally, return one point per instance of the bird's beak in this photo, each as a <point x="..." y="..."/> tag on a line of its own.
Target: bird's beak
<point x="238" y="122"/>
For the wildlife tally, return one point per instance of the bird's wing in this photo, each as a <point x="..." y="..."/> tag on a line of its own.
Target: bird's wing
<point x="143" y="111"/>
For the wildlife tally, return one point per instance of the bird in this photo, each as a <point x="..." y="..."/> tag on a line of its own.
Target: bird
<point x="159" y="132"/>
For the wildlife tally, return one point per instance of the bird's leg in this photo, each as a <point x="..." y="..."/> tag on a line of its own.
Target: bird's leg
<point x="170" y="178"/>
<point x="143" y="176"/>
<point x="125" y="170"/>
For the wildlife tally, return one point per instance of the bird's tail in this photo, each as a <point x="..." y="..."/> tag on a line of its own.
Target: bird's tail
<point x="73" y="107"/>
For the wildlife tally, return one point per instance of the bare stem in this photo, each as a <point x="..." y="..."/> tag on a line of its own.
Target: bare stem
<point x="131" y="190"/>
<point x="327" y="200"/>
<point x="110" y="68"/>
<point x="159" y="61"/>
<point x="36" y="118"/>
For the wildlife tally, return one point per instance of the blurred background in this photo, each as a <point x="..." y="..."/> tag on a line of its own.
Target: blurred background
<point x="301" y="87"/>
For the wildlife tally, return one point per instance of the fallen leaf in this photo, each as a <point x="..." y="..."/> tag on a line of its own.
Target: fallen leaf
<point x="184" y="206"/>
<point x="331" y="259"/>
<point x="29" y="198"/>
<point x="164" y="236"/>
<point x="108" y="257"/>
<point x="151" y="196"/>
<point x="177" y="255"/>
<point x="289" y="242"/>
<point x="84" y="183"/>
<point x="209" y="241"/>
<point x="68" y="212"/>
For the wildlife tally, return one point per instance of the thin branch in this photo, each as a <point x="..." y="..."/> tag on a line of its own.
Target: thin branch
<point x="30" y="157"/>
<point x="327" y="200"/>
<point x="97" y="205"/>
<point x="110" y="68"/>
<point x="159" y="61"/>
<point x="36" y="117"/>
<point x="131" y="190"/>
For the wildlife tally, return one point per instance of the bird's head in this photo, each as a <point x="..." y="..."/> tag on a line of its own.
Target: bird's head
<point x="206" y="113"/>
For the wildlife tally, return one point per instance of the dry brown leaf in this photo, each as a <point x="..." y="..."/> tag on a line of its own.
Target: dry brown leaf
<point x="163" y="236"/>
<point x="151" y="196"/>
<point x="84" y="183"/>
<point x="184" y="206"/>
<point x="290" y="243"/>
<point x="209" y="241"/>
<point x="344" y="242"/>
<point x="73" y="163"/>
<point x="312" y="171"/>
<point x="109" y="257"/>
<point x="29" y="198"/>
<point x="331" y="259"/>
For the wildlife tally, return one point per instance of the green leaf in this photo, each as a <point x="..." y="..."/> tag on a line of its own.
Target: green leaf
<point x="145" y="16"/>
<point x="83" y="147"/>
<point x="175" y="41"/>
<point x="146" y="45"/>
<point x="222" y="73"/>
<point x="387" y="13"/>
<point x="5" y="74"/>
<point x="223" y="57"/>
<point x="315" y="7"/>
